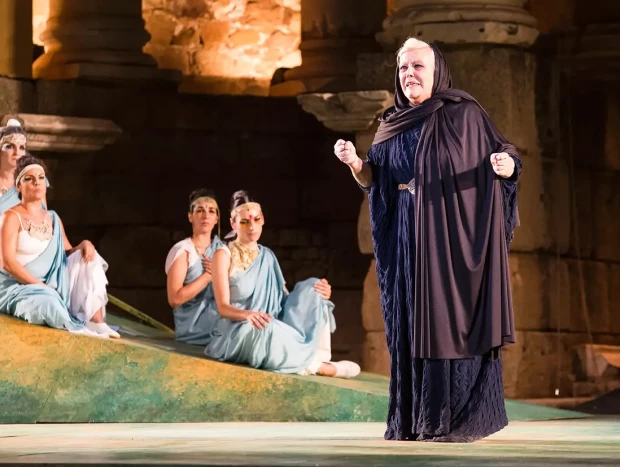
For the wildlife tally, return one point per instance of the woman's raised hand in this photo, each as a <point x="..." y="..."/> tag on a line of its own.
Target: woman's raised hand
<point x="258" y="319"/>
<point x="324" y="289"/>
<point x="345" y="151"/>
<point x="503" y="165"/>
<point x="88" y="251"/>
<point x="206" y="264"/>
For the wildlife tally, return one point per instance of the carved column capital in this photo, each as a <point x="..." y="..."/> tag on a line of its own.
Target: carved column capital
<point x="460" y="21"/>
<point x="97" y="39"/>
<point x="347" y="112"/>
<point x="68" y="134"/>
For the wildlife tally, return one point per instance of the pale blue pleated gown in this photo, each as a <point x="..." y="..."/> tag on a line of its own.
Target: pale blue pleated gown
<point x="194" y="320"/>
<point x="36" y="303"/>
<point x="290" y="342"/>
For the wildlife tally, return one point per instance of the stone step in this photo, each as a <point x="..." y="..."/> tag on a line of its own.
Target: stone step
<point x="51" y="376"/>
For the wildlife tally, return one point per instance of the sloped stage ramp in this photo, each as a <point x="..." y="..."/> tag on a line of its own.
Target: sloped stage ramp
<point x="50" y="376"/>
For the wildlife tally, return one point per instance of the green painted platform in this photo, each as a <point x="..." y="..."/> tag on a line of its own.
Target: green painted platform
<point x="50" y="376"/>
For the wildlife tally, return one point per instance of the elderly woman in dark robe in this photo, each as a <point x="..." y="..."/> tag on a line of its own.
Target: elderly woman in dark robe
<point x="441" y="182"/>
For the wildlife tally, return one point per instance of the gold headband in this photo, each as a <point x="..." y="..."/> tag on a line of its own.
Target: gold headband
<point x="26" y="169"/>
<point x="203" y="199"/>
<point x="15" y="138"/>
<point x="208" y="199"/>
<point x="243" y="206"/>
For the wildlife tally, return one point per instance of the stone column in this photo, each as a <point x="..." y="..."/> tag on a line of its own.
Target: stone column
<point x="460" y="22"/>
<point x="16" y="38"/>
<point x="587" y="73"/>
<point x="97" y="39"/>
<point x="333" y="33"/>
<point x="474" y="35"/>
<point x="357" y="113"/>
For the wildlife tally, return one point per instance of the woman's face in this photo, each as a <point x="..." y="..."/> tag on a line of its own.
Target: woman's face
<point x="32" y="185"/>
<point x="248" y="224"/>
<point x="10" y="154"/>
<point x="416" y="69"/>
<point x="203" y="217"/>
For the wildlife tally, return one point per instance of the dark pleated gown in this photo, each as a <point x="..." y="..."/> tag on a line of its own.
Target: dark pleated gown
<point x="457" y="400"/>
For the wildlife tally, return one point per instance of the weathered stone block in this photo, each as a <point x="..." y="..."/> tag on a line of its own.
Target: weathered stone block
<point x="364" y="234"/>
<point x="591" y="281"/>
<point x="582" y="224"/>
<point x="174" y="57"/>
<point x="503" y="81"/>
<point x="161" y="25"/>
<point x="376" y="356"/>
<point x="556" y="296"/>
<point x="16" y="96"/>
<point x="121" y="199"/>
<point x="295" y="237"/>
<point x="372" y="317"/>
<point x="376" y="71"/>
<point x="511" y="358"/>
<point x="527" y="293"/>
<point x="348" y="322"/>
<point x="314" y="205"/>
<point x="347" y="269"/>
<point x="136" y="256"/>
<point x="341" y="236"/>
<point x="532" y="233"/>
<point x="243" y="38"/>
<point x="557" y="205"/>
<point x="69" y="185"/>
<point x="614" y="298"/>
<point x="214" y="32"/>
<point x="606" y="235"/>
<point x="612" y="136"/>
<point x="533" y="364"/>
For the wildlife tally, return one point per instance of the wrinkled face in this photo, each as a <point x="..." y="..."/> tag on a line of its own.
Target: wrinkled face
<point x="32" y="185"/>
<point x="10" y="153"/>
<point x="204" y="217"/>
<point x="248" y="223"/>
<point x="416" y="70"/>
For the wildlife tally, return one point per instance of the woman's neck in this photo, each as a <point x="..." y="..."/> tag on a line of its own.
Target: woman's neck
<point x="7" y="179"/>
<point x="201" y="240"/>
<point x="249" y="246"/>
<point x="33" y="207"/>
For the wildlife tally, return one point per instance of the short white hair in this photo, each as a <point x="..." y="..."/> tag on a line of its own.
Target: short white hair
<point x="413" y="44"/>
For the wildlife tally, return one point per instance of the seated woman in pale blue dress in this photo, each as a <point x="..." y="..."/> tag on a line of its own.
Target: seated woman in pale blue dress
<point x="260" y="324"/>
<point x="38" y="282"/>
<point x="188" y="267"/>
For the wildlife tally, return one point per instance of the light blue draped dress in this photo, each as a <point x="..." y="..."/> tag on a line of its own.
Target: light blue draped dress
<point x="193" y="320"/>
<point x="291" y="341"/>
<point x="9" y="200"/>
<point x="36" y="303"/>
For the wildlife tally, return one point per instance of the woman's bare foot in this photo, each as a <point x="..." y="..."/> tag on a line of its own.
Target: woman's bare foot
<point x="342" y="369"/>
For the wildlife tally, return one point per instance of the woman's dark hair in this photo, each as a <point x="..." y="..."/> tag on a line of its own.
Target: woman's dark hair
<point x="25" y="161"/>
<point x="240" y="197"/>
<point x="200" y="193"/>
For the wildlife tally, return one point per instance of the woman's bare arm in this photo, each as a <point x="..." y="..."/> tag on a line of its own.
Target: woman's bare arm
<point x="10" y="232"/>
<point x="178" y="294"/>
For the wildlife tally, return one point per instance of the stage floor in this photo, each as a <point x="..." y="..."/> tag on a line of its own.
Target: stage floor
<point x="579" y="442"/>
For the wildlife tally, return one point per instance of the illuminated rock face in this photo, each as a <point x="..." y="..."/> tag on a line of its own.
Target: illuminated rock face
<point x="224" y="46"/>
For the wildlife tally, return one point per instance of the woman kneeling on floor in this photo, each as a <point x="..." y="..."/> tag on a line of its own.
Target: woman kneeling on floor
<point x="44" y="279"/>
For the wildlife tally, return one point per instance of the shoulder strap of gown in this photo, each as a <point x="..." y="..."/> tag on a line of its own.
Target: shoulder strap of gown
<point x="19" y="217"/>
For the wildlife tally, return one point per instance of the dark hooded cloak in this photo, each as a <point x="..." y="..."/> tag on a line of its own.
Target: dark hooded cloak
<point x="445" y="274"/>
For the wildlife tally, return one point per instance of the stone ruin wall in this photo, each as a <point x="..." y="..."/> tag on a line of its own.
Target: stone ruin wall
<point x="547" y="282"/>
